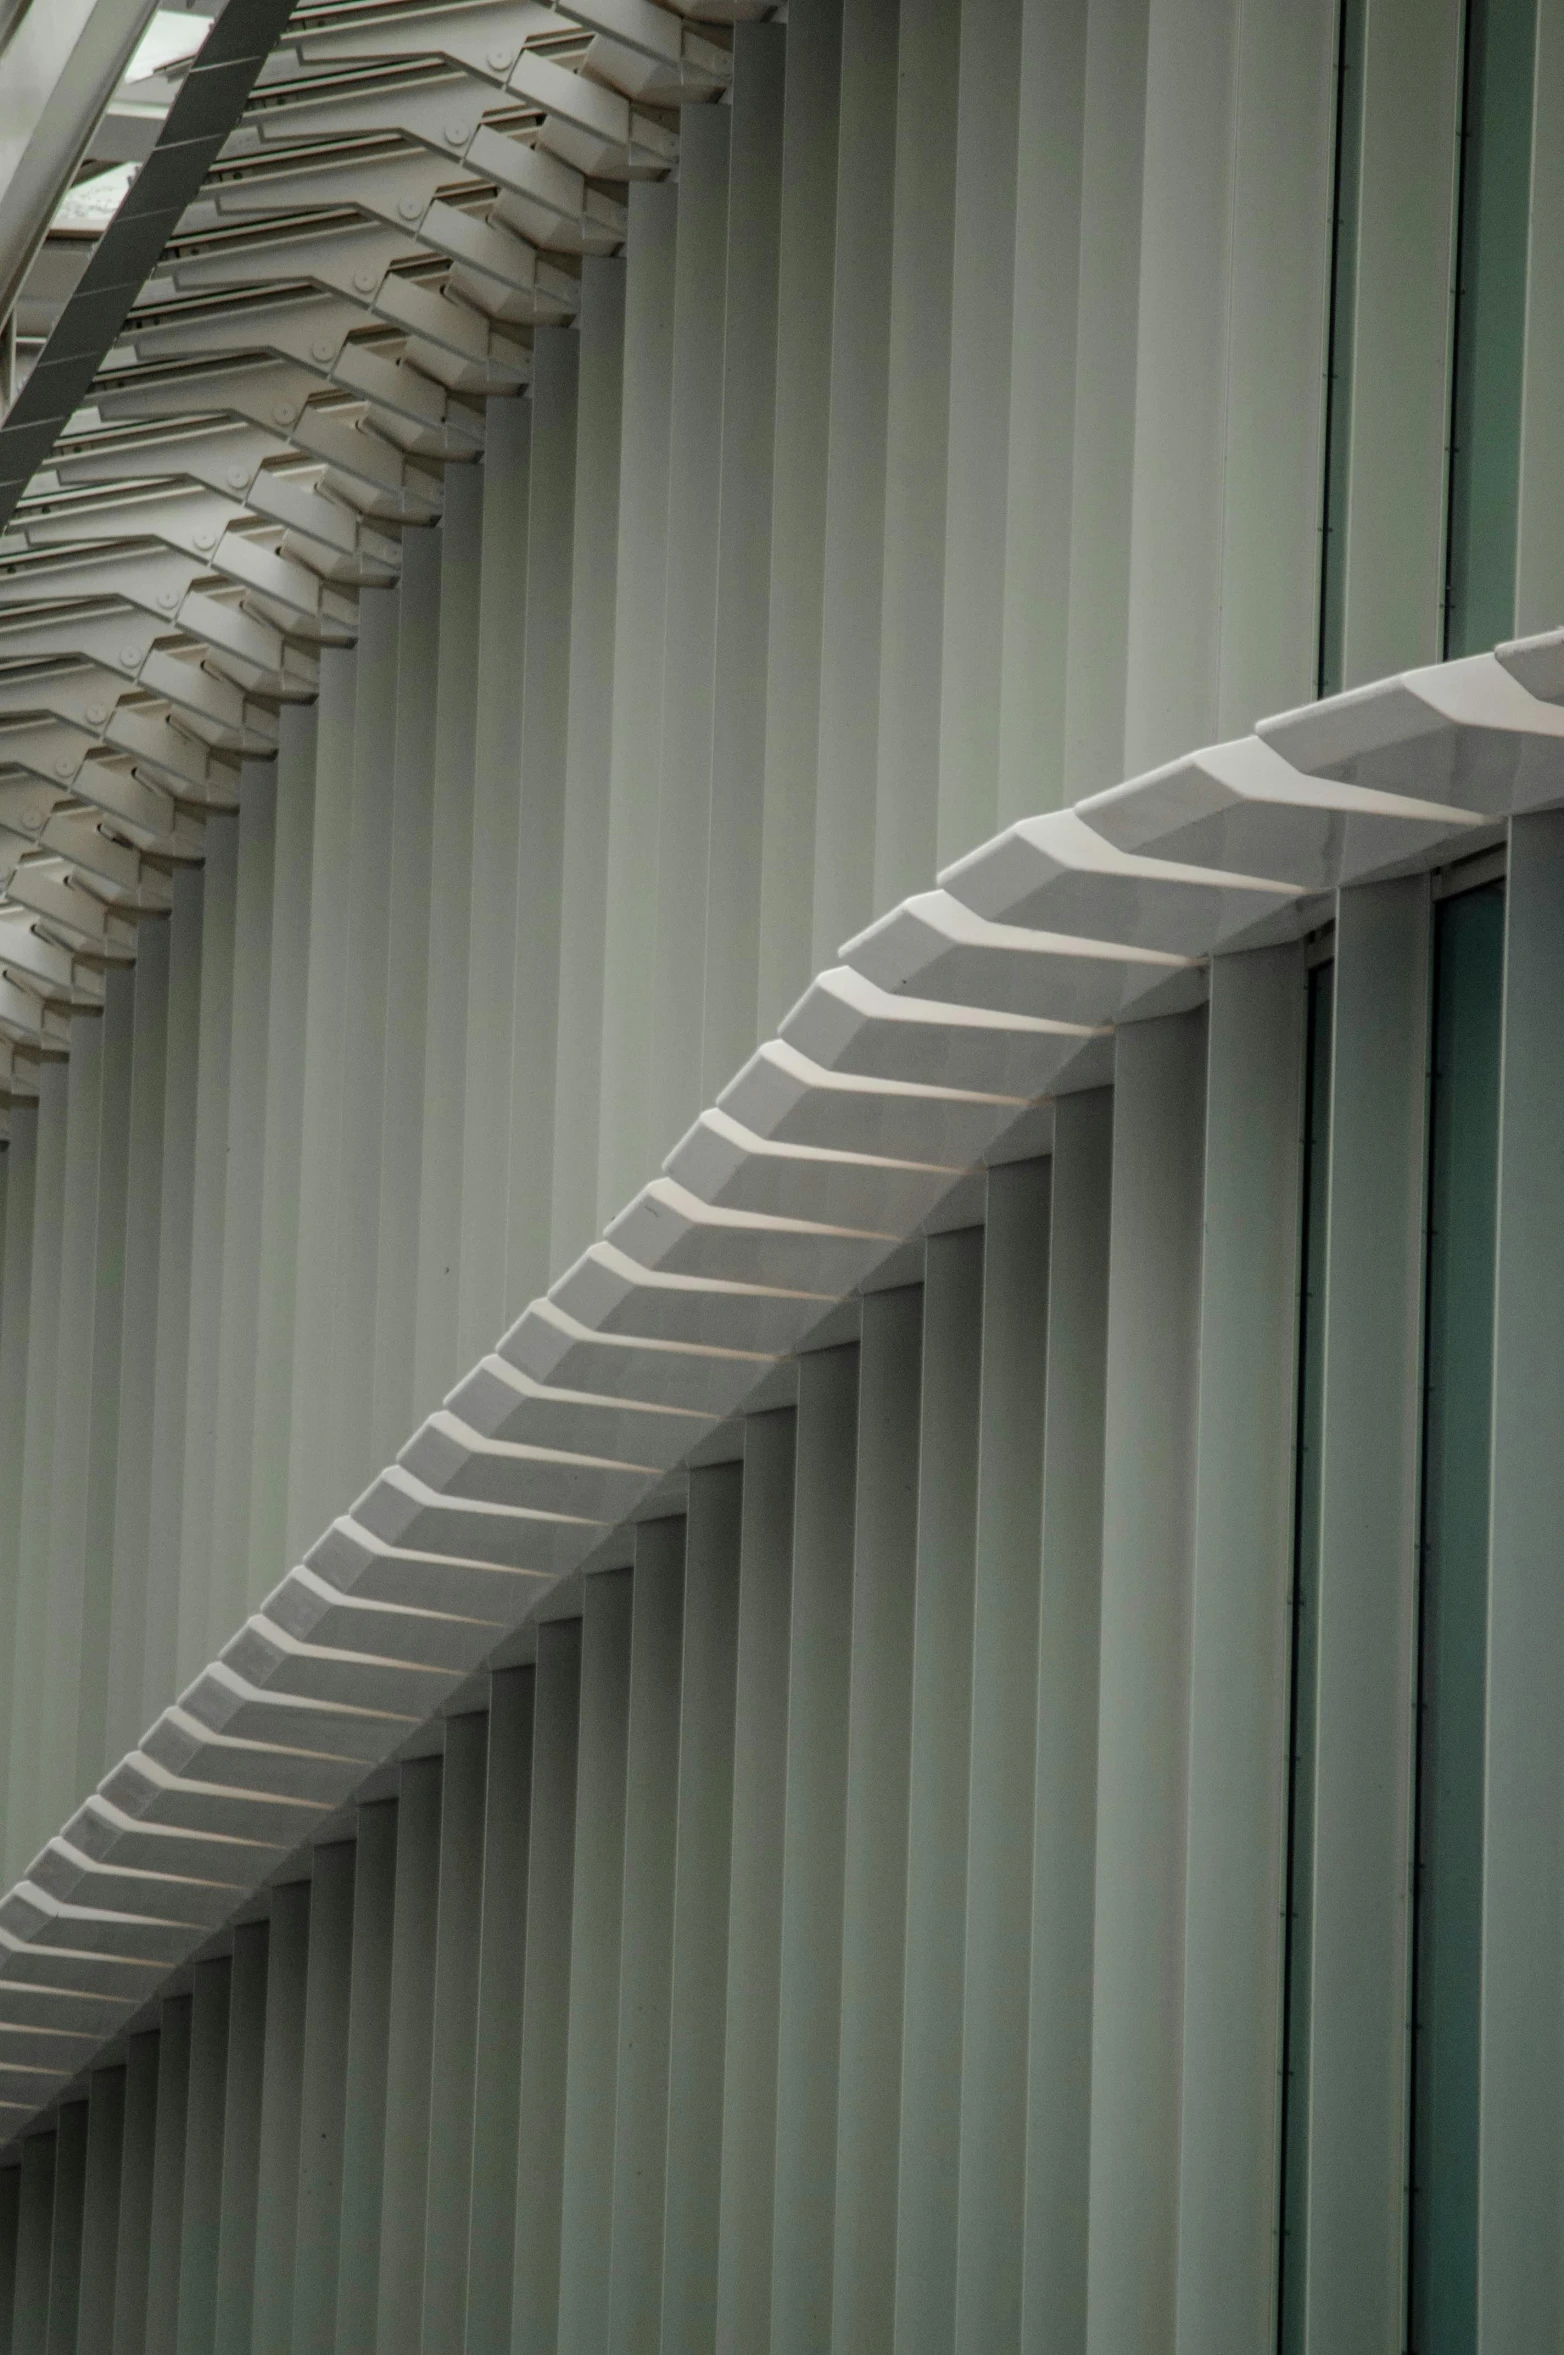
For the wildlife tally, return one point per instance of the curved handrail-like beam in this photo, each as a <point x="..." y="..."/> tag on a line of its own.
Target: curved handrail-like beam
<point x="932" y="1051"/>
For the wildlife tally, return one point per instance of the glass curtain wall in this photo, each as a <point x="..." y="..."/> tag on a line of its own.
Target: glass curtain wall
<point x="1452" y="1648"/>
<point x="1490" y="324"/>
<point x="1488" y="327"/>
<point x="1306" y="1547"/>
<point x="1467" y="987"/>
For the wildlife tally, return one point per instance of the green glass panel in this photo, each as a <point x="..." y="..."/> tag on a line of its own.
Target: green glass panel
<point x="1490" y="323"/>
<point x="1447" y="1921"/>
<point x="1305" y="1603"/>
<point x="1338" y="364"/>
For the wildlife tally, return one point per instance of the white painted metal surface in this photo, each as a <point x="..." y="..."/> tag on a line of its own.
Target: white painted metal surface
<point x="598" y="1392"/>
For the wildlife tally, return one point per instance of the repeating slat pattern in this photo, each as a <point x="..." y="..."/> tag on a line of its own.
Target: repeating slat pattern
<point x="545" y="796"/>
<point x="1080" y="1882"/>
<point x="769" y="1822"/>
<point x="602" y="1990"/>
<point x="851" y="1914"/>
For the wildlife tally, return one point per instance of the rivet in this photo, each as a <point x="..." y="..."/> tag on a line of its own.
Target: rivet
<point x="285" y="412"/>
<point x="130" y="657"/>
<point x="97" y="713"/>
<point x="168" y="599"/>
<point x="458" y="134"/>
<point x="364" y="281"/>
<point x="499" y="60"/>
<point x="238" y="476"/>
<point x="33" y="817"/>
<point x="63" y="767"/>
<point x="320" y="350"/>
<point x="206" y="541"/>
<point x="409" y="208"/>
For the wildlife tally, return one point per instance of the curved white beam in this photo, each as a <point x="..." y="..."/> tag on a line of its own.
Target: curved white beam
<point x="865" y="1122"/>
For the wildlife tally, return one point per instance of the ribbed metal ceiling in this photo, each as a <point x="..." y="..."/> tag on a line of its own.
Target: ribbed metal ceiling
<point x="334" y="254"/>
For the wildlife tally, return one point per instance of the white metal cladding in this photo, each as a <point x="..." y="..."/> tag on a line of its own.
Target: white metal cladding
<point x="408" y="708"/>
<point x="925" y="252"/>
<point x="1118" y="1350"/>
